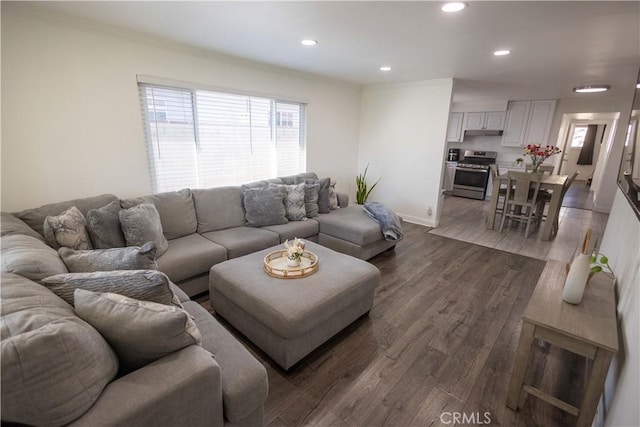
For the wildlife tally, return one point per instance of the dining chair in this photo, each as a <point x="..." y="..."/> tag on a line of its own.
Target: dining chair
<point x="521" y="199"/>
<point x="548" y="169"/>
<point x="502" y="190"/>
<point x="545" y="197"/>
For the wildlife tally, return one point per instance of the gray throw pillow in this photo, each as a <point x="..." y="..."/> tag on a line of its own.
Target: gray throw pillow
<point x="68" y="230"/>
<point x="294" y="202"/>
<point x="156" y="329"/>
<point x="104" y="227"/>
<point x="29" y="257"/>
<point x="129" y="258"/>
<point x="265" y="206"/>
<point x="141" y="224"/>
<point x="147" y="285"/>
<point x="323" y="195"/>
<point x="333" y="196"/>
<point x="311" y="190"/>
<point x="54" y="365"/>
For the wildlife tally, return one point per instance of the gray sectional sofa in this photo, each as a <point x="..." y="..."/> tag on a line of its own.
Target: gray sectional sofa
<point x="188" y="387"/>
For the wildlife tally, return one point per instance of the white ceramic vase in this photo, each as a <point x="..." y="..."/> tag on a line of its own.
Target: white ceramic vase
<point x="293" y="262"/>
<point x="576" y="279"/>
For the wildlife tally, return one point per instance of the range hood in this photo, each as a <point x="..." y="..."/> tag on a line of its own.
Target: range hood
<point x="482" y="132"/>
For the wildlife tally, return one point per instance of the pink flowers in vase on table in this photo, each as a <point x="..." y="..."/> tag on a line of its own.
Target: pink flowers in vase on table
<point x="538" y="154"/>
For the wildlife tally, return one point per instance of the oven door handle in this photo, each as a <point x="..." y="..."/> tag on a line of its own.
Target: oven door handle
<point x="472" y="170"/>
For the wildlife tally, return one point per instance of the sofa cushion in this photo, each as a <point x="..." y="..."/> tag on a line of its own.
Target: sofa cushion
<point x="29" y="257"/>
<point x="67" y="230"/>
<point x="262" y="183"/>
<point x="304" y="175"/>
<point x="54" y="365"/>
<point x="244" y="379"/>
<point x="294" y="202"/>
<point x="147" y="285"/>
<point x="10" y="224"/>
<point x="240" y="241"/>
<point x="104" y="227"/>
<point x="35" y="217"/>
<point x="219" y="208"/>
<point x="265" y="206"/>
<point x="129" y="258"/>
<point x="333" y="196"/>
<point x="189" y="256"/>
<point x="311" y="198"/>
<point x="176" y="209"/>
<point x="159" y="329"/>
<point x="300" y="229"/>
<point x="141" y="224"/>
<point x="351" y="224"/>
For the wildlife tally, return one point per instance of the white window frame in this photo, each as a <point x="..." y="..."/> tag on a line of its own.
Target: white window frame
<point x="278" y="121"/>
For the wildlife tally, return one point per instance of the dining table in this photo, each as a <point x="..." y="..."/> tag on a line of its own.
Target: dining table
<point x="555" y="183"/>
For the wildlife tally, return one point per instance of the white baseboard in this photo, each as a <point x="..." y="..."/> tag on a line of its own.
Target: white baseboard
<point x="418" y="220"/>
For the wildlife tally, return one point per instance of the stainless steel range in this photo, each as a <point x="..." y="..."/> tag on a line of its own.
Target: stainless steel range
<point x="472" y="174"/>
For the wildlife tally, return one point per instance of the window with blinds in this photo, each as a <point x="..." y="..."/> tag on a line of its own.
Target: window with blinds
<point x="200" y="139"/>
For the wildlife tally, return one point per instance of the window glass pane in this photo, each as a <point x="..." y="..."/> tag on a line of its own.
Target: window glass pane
<point x="216" y="139"/>
<point x="170" y="138"/>
<point x="579" y="133"/>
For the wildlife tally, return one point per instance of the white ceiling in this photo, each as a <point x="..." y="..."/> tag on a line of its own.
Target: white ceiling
<point x="555" y="45"/>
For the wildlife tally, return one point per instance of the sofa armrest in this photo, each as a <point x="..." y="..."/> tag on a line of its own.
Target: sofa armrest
<point x="182" y="388"/>
<point x="343" y="199"/>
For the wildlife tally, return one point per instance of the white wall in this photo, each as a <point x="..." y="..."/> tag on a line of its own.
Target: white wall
<point x="403" y="139"/>
<point x="621" y="243"/>
<point x="71" y="117"/>
<point x="600" y="103"/>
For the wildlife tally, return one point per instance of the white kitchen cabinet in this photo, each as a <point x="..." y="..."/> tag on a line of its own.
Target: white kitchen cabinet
<point x="492" y="120"/>
<point x="515" y="127"/>
<point x="540" y="119"/>
<point x="454" y="131"/>
<point x="528" y="122"/>
<point x="449" y="176"/>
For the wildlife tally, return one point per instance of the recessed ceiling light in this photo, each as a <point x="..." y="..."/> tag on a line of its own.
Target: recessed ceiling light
<point x="455" y="6"/>
<point x="309" y="42"/>
<point x="591" y="88"/>
<point x="501" y="52"/>
<point x="638" y="86"/>
<point x="385" y="68"/>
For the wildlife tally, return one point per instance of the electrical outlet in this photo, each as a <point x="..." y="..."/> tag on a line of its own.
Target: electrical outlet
<point x="429" y="212"/>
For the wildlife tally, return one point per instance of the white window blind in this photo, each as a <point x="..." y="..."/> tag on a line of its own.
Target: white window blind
<point x="200" y="138"/>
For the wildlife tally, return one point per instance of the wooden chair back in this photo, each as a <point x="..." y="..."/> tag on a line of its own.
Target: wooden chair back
<point x="523" y="188"/>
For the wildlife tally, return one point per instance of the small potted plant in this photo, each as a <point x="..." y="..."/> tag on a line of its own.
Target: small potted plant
<point x="362" y="188"/>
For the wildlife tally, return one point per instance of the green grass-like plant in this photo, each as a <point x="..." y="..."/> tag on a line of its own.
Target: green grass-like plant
<point x="362" y="188"/>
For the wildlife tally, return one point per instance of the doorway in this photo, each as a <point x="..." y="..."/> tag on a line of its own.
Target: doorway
<point x="585" y="140"/>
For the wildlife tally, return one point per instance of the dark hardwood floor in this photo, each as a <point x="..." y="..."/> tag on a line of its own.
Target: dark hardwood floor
<point x="441" y="339"/>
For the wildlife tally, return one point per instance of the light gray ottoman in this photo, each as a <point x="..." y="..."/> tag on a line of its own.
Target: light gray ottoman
<point x="289" y="318"/>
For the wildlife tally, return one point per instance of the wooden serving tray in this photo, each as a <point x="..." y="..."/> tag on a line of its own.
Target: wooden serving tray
<point x="275" y="265"/>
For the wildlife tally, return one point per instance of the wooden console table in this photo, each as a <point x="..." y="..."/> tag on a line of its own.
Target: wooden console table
<point x="589" y="329"/>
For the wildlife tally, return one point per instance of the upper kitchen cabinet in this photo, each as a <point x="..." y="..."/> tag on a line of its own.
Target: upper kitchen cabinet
<point x="492" y="120"/>
<point x="528" y="122"/>
<point x="454" y="131"/>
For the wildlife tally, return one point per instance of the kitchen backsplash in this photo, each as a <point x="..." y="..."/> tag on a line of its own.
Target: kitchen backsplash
<point x="506" y="155"/>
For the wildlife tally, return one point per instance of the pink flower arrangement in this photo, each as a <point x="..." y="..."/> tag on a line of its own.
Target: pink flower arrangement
<point x="538" y="154"/>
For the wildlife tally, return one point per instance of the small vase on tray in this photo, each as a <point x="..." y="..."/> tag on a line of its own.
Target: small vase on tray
<point x="293" y="262"/>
